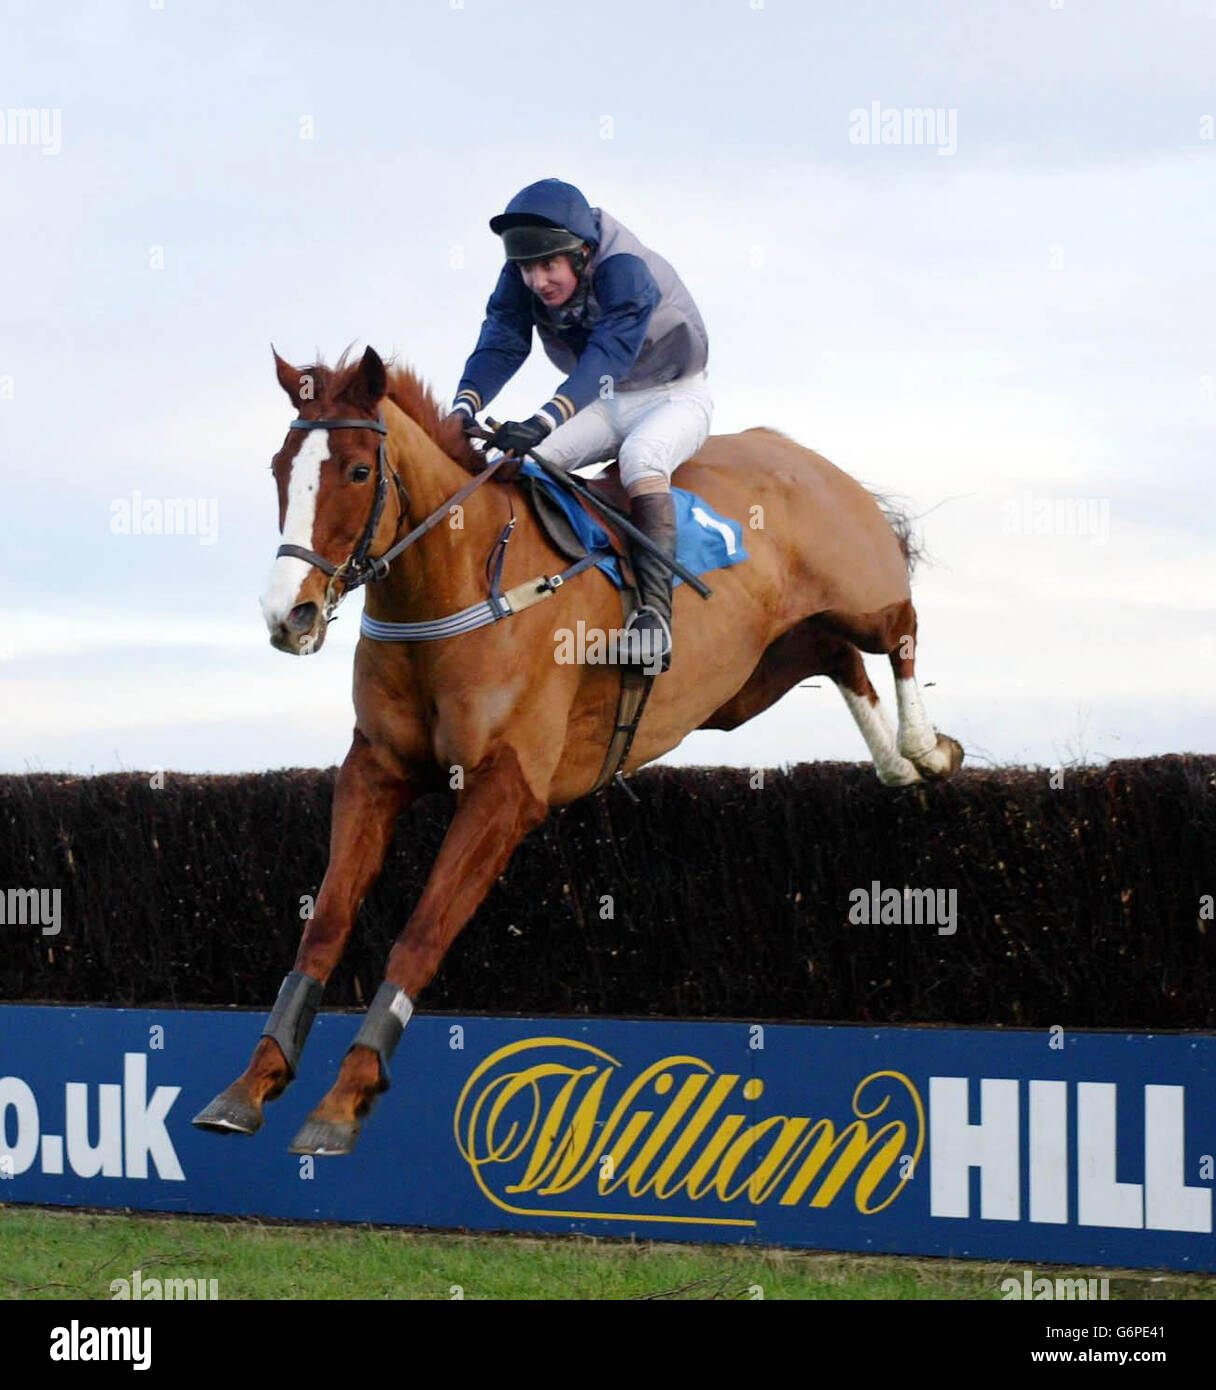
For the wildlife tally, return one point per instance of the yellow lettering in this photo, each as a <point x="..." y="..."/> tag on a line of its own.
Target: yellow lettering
<point x="697" y="1126"/>
<point x="773" y="1169"/>
<point x="566" y="1178"/>
<point x="546" y="1152"/>
<point x="735" y="1154"/>
<point x="881" y="1164"/>
<point x="687" y="1093"/>
<point x="544" y="1119"/>
<point x="582" y="1132"/>
<point x="637" y="1123"/>
<point x="701" y="1169"/>
<point x="826" y="1142"/>
<point x="865" y="1188"/>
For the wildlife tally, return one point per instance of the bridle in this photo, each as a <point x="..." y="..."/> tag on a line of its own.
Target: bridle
<point x="359" y="567"/>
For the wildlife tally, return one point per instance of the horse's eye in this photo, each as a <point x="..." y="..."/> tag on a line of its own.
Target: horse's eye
<point x="360" y="473"/>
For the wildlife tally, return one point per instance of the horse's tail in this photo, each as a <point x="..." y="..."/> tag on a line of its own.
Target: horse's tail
<point x="902" y="524"/>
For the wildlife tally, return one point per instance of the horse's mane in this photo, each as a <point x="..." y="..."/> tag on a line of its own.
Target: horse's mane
<point x="409" y="393"/>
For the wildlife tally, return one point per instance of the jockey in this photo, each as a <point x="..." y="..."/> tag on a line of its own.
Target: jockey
<point x="617" y="319"/>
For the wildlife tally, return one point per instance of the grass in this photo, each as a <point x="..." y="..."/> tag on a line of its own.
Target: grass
<point x="50" y="1254"/>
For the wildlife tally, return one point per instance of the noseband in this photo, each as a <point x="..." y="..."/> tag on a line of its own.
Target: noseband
<point x="358" y="567"/>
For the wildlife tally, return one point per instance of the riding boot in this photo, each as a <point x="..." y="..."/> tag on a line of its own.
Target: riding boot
<point x="649" y="628"/>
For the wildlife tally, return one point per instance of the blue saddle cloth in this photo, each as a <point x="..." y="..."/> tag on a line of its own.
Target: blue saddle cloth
<point x="705" y="540"/>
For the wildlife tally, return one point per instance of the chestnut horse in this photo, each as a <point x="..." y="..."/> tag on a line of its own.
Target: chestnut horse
<point x="491" y="711"/>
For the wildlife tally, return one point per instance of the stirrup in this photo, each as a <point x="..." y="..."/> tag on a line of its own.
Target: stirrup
<point x="658" y="640"/>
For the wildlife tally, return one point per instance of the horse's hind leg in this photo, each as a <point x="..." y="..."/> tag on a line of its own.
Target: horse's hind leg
<point x="892" y="631"/>
<point x="367" y="801"/>
<point x="812" y="648"/>
<point x="843" y="663"/>
<point x="936" y="755"/>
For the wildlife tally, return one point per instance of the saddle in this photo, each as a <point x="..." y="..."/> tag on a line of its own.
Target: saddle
<point x="555" y="522"/>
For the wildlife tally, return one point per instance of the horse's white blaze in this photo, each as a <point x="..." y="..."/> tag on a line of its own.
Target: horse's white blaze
<point x="893" y="769"/>
<point x="287" y="572"/>
<point x="917" y="736"/>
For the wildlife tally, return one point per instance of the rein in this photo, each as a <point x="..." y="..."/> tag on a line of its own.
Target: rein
<point x="359" y="568"/>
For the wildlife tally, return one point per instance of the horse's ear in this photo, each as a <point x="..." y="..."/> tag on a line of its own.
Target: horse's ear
<point x="367" y="387"/>
<point x="289" y="378"/>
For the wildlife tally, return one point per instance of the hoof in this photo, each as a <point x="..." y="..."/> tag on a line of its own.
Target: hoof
<point x="326" y="1138"/>
<point x="943" y="760"/>
<point x="230" y="1113"/>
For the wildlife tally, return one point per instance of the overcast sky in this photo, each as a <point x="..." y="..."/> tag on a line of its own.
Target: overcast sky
<point x="1009" y="323"/>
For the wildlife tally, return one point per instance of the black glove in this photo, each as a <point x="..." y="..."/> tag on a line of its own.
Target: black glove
<point x="517" y="437"/>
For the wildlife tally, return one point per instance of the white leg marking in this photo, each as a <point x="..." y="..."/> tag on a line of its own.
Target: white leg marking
<point x="287" y="573"/>
<point x="893" y="770"/>
<point x="917" y="736"/>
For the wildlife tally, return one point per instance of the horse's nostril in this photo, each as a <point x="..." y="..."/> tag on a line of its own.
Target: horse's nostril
<point x="302" y="617"/>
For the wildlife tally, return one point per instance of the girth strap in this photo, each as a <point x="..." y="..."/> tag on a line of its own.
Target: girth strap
<point x="636" y="685"/>
<point x="489" y="610"/>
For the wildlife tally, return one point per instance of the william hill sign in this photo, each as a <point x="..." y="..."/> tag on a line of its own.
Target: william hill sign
<point x="553" y="1126"/>
<point x="551" y="1121"/>
<point x="1089" y="1148"/>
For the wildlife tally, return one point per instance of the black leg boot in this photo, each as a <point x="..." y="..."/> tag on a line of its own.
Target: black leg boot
<point x="649" y="628"/>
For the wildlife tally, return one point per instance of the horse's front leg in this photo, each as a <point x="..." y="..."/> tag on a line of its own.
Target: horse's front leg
<point x="496" y="810"/>
<point x="368" y="798"/>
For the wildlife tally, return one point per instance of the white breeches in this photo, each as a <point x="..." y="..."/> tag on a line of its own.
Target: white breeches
<point x="652" y="432"/>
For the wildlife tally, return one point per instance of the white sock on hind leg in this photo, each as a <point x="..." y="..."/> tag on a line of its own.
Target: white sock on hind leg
<point x="893" y="769"/>
<point x="917" y="736"/>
